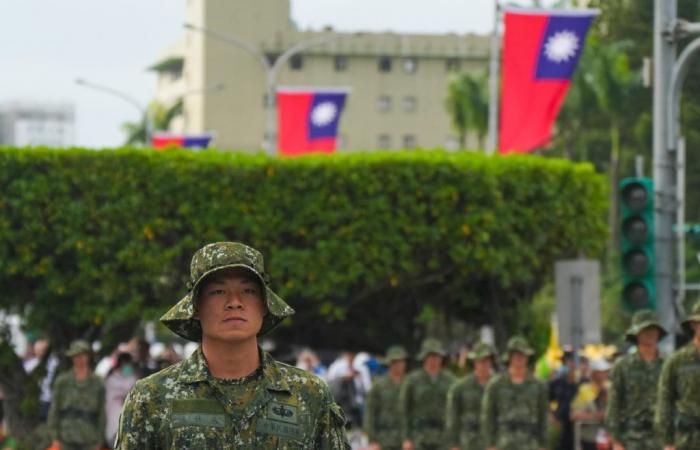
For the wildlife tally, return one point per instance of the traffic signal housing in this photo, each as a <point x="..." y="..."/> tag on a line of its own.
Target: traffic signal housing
<point x="637" y="243"/>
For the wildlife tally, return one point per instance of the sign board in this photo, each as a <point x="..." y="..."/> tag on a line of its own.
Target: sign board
<point x="577" y="292"/>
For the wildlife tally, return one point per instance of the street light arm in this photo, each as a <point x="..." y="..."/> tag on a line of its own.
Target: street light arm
<point x="233" y="40"/>
<point x="133" y="102"/>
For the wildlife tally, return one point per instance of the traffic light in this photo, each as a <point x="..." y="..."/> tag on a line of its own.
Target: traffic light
<point x="637" y="242"/>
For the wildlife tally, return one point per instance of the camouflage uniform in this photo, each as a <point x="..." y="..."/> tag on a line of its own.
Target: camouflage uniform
<point x="77" y="415"/>
<point x="678" y="405"/>
<point x="185" y="407"/>
<point x="381" y="415"/>
<point x="464" y="407"/>
<point x="422" y="403"/>
<point x="629" y="416"/>
<point x="514" y="416"/>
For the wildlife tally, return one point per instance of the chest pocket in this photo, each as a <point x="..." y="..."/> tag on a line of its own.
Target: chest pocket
<point x="197" y="424"/>
<point x="282" y="426"/>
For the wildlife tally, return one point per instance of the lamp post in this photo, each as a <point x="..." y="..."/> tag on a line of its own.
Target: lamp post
<point x="271" y="71"/>
<point x="133" y="102"/>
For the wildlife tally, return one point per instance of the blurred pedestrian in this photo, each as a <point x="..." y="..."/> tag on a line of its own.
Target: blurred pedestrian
<point x="464" y="401"/>
<point x="514" y="408"/>
<point x="381" y="416"/>
<point x="678" y="405"/>
<point x="423" y="400"/>
<point x="562" y="390"/>
<point x="308" y="360"/>
<point x="588" y="408"/>
<point x="77" y="414"/>
<point x="633" y="388"/>
<point x="119" y="381"/>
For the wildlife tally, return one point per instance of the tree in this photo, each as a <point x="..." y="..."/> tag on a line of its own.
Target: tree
<point x="468" y="105"/>
<point x="160" y="115"/>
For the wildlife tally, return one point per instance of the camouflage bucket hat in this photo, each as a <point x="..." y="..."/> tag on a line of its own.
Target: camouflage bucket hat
<point x="481" y="350"/>
<point x="77" y="347"/>
<point x="641" y="320"/>
<point x="209" y="259"/>
<point x="394" y="353"/>
<point x="430" y="345"/>
<point x="694" y="316"/>
<point x="517" y="344"/>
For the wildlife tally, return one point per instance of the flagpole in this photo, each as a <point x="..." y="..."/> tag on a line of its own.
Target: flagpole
<point x="494" y="69"/>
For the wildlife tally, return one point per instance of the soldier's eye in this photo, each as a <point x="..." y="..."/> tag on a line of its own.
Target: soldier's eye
<point x="216" y="292"/>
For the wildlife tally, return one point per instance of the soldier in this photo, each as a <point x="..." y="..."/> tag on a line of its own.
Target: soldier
<point x="423" y="399"/>
<point x="230" y="394"/>
<point x="381" y="418"/>
<point x="514" y="409"/>
<point x="678" y="404"/>
<point x="77" y="413"/>
<point x="464" y="401"/>
<point x="633" y="382"/>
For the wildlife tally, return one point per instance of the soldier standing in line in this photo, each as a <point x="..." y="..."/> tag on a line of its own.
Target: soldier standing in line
<point x="381" y="416"/>
<point x="464" y="401"/>
<point x="514" y="409"/>
<point x="77" y="414"/>
<point x="633" y="381"/>
<point x="678" y="405"/>
<point x="229" y="394"/>
<point x="423" y="399"/>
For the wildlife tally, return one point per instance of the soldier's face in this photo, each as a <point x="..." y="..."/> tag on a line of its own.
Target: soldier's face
<point x="398" y="367"/>
<point x="695" y="326"/>
<point x="483" y="365"/>
<point x="231" y="306"/>
<point x="518" y="360"/>
<point x="432" y="363"/>
<point x="648" y="336"/>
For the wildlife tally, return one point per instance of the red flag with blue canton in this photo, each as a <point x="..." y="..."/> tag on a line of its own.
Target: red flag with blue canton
<point x="161" y="141"/>
<point x="308" y="120"/>
<point x="541" y="50"/>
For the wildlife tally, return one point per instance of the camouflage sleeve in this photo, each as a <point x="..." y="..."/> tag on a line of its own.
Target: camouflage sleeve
<point x="664" y="403"/>
<point x="52" y="419"/>
<point x="136" y="427"/>
<point x="613" y="410"/>
<point x="369" y="415"/>
<point x="542" y="411"/>
<point x="404" y="403"/>
<point x="452" y="414"/>
<point x="331" y="431"/>
<point x="488" y="415"/>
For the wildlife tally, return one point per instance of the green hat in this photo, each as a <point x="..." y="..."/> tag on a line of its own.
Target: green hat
<point x="517" y="344"/>
<point x="394" y="353"/>
<point x="209" y="259"/>
<point x="430" y="345"/>
<point x="77" y="347"/>
<point x="482" y="350"/>
<point x="642" y="319"/>
<point x="694" y="316"/>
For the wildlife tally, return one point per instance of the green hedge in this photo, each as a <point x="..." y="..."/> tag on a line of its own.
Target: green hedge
<point x="101" y="238"/>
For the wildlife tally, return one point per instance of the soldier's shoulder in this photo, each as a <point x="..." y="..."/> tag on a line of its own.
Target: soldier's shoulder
<point x="463" y="382"/>
<point x="157" y="384"/>
<point x="301" y="381"/>
<point x="497" y="380"/>
<point x="414" y="376"/>
<point x="685" y="353"/>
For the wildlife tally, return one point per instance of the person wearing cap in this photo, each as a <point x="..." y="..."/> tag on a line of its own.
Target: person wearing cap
<point x="423" y="399"/>
<point x="633" y="387"/>
<point x="229" y="394"/>
<point x="588" y="408"/>
<point x="678" y="402"/>
<point x="514" y="408"/>
<point x="381" y="415"/>
<point x="464" y="401"/>
<point x="562" y="391"/>
<point x="77" y="415"/>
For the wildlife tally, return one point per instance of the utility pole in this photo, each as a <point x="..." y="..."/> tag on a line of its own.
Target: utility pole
<point x="494" y="85"/>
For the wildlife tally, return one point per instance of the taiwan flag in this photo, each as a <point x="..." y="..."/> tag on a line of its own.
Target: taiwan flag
<point x="160" y="141"/>
<point x="540" y="52"/>
<point x="308" y="120"/>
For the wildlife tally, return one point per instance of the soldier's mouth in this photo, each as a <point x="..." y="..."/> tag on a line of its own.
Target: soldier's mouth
<point x="234" y="319"/>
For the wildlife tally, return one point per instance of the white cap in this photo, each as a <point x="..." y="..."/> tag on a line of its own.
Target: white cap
<point x="600" y="365"/>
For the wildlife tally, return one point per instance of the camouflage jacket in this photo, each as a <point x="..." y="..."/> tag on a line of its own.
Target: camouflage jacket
<point x="514" y="416"/>
<point x="181" y="407"/>
<point x="422" y="403"/>
<point x="77" y="412"/>
<point x="629" y="416"/>
<point x="464" y="413"/>
<point x="381" y="415"/>
<point x="678" y="404"/>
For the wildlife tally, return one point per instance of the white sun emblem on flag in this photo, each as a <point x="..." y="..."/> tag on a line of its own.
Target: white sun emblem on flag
<point x="562" y="46"/>
<point x="323" y="114"/>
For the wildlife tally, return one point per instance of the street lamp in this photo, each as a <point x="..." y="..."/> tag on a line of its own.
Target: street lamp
<point x="133" y="102"/>
<point x="271" y="71"/>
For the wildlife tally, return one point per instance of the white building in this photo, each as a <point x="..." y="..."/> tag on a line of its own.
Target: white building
<point x="37" y="124"/>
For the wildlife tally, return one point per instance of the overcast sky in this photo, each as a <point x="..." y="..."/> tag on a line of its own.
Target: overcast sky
<point x="46" y="44"/>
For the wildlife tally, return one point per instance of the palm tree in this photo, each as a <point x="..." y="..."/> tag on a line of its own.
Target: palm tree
<point x="160" y="116"/>
<point x="468" y="105"/>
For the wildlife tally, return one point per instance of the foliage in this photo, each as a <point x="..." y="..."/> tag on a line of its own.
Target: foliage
<point x="468" y="105"/>
<point x="91" y="241"/>
<point x="160" y="116"/>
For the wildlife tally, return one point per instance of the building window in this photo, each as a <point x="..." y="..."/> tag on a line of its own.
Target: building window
<point x="384" y="141"/>
<point x="409" y="141"/>
<point x="340" y="63"/>
<point x="410" y="65"/>
<point x="408" y="103"/>
<point x="452" y="65"/>
<point x="296" y="62"/>
<point x="385" y="64"/>
<point x="383" y="103"/>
